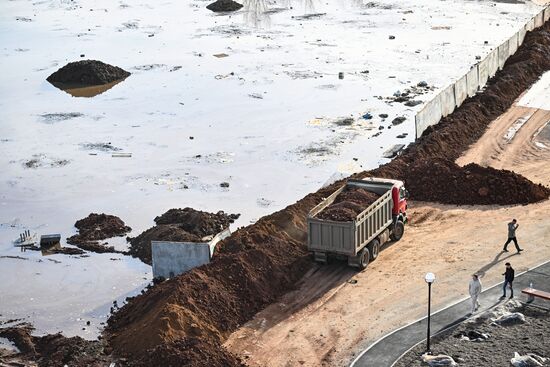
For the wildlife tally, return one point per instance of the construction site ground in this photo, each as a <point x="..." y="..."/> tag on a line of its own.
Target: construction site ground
<point x="336" y="312"/>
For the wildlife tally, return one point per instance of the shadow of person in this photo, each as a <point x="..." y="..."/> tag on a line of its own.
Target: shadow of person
<point x="498" y="258"/>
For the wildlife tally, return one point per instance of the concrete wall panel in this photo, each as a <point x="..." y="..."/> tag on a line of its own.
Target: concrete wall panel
<point x="521" y="35"/>
<point x="530" y="25"/>
<point x="483" y="68"/>
<point x="503" y="53"/>
<point x="472" y="81"/>
<point x="493" y="62"/>
<point x="461" y="91"/>
<point x="539" y="19"/>
<point x="448" y="100"/>
<point x="173" y="258"/>
<point x="429" y="115"/>
<point x="512" y="45"/>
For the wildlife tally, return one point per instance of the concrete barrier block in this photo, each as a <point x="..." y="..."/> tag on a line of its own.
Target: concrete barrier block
<point x="521" y="35"/>
<point x="503" y="53"/>
<point x="530" y="25"/>
<point x="493" y="62"/>
<point x="461" y="90"/>
<point x="429" y="115"/>
<point x="173" y="258"/>
<point x="447" y="100"/>
<point x="472" y="80"/>
<point x="483" y="73"/>
<point x="539" y="19"/>
<point x="512" y="45"/>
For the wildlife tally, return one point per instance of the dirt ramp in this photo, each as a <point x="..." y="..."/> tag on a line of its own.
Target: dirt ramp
<point x="87" y="73"/>
<point x="252" y="268"/>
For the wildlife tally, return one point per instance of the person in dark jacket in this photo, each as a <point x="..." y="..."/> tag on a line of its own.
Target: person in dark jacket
<point x="512" y="226"/>
<point x="508" y="279"/>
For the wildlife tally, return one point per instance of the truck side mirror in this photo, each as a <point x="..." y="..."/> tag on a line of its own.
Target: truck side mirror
<point x="407" y="194"/>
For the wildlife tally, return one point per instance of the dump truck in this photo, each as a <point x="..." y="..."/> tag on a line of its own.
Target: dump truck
<point x="359" y="240"/>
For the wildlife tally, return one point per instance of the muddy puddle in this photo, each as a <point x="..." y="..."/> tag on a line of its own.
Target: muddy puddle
<point x="213" y="99"/>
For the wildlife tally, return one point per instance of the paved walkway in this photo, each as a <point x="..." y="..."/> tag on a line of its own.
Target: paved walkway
<point x="387" y="350"/>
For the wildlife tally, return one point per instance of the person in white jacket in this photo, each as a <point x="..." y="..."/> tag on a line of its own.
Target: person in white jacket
<point x="475" y="290"/>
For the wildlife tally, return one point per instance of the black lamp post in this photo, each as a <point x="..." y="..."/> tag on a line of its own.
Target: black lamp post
<point x="429" y="278"/>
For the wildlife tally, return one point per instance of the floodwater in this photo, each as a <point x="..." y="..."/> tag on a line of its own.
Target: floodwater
<point x="265" y="117"/>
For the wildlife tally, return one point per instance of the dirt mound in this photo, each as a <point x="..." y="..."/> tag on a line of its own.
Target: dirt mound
<point x="224" y="5"/>
<point x="96" y="227"/>
<point x="259" y="263"/>
<point x="445" y="182"/>
<point x="54" y="350"/>
<point x="348" y="204"/>
<point x="180" y="225"/>
<point x="197" y="222"/>
<point x="190" y="352"/>
<point x="140" y="246"/>
<point x="87" y="73"/>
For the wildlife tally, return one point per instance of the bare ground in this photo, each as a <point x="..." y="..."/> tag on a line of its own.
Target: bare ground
<point x="330" y="319"/>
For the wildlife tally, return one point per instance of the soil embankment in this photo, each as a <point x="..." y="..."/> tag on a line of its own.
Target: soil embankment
<point x="259" y="263"/>
<point x="180" y="225"/>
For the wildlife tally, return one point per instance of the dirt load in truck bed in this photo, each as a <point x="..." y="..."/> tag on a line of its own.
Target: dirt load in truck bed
<point x="348" y="204"/>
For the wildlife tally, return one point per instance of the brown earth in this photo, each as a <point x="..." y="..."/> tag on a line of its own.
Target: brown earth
<point x="259" y="263"/>
<point x="52" y="350"/>
<point x="348" y="204"/>
<point x="179" y="225"/>
<point x="96" y="227"/>
<point x="86" y="73"/>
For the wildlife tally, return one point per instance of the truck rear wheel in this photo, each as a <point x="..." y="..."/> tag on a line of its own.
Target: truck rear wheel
<point x="364" y="258"/>
<point x="374" y="249"/>
<point x="397" y="231"/>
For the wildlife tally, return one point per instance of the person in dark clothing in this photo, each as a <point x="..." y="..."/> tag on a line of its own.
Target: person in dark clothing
<point x="512" y="226"/>
<point x="508" y="279"/>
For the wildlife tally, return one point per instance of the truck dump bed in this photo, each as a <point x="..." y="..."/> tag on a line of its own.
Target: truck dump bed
<point x="348" y="238"/>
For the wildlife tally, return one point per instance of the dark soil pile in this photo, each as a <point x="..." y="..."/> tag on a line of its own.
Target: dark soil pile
<point x="188" y="352"/>
<point x="497" y="350"/>
<point x="96" y="227"/>
<point x="140" y="246"/>
<point x="445" y="182"/>
<point x="53" y="350"/>
<point x="87" y="73"/>
<point x="348" y="204"/>
<point x="224" y="5"/>
<point x="197" y="222"/>
<point x="259" y="263"/>
<point x="180" y="225"/>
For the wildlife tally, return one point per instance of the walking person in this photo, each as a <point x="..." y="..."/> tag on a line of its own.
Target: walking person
<point x="508" y="279"/>
<point x="474" y="289"/>
<point x="512" y="226"/>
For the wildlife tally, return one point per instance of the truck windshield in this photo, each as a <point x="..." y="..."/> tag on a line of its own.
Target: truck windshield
<point x="402" y="193"/>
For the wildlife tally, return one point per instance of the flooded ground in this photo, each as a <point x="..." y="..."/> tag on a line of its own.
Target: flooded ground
<point x="253" y="99"/>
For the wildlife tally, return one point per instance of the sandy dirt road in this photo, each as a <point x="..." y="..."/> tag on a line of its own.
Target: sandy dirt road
<point x="336" y="312"/>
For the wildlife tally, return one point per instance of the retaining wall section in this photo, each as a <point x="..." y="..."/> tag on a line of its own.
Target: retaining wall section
<point x="455" y="94"/>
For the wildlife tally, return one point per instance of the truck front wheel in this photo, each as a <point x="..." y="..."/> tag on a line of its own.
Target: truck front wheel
<point x="364" y="258"/>
<point x="397" y="231"/>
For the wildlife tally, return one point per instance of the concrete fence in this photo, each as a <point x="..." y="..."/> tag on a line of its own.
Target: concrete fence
<point x="455" y="94"/>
